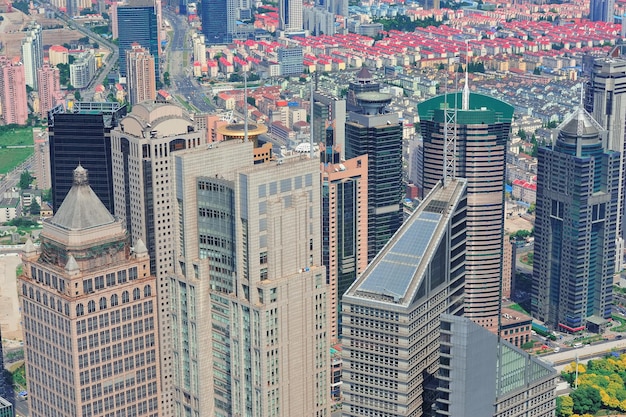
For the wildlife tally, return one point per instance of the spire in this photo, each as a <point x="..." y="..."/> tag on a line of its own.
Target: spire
<point x="466" y="91"/>
<point x="71" y="267"/>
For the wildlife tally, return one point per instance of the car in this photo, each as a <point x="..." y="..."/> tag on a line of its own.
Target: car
<point x="619" y="336"/>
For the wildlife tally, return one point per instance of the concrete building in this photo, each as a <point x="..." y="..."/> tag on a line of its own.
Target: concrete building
<point x="483" y="375"/>
<point x="32" y="53"/>
<point x="41" y="168"/>
<point x="248" y="295"/>
<point x="82" y="135"/>
<point x="83" y="69"/>
<point x="58" y="54"/>
<point x="602" y="11"/>
<point x="140" y="76"/>
<point x="219" y="21"/>
<point x="575" y="227"/>
<point x="344" y="229"/>
<point x="606" y="102"/>
<point x="6" y="408"/>
<point x="290" y="15"/>
<point x="391" y="314"/>
<point x="377" y="133"/>
<point x="13" y="99"/>
<point x="142" y="146"/>
<point x="329" y="111"/>
<point x="319" y="21"/>
<point x="138" y="22"/>
<point x="10" y="208"/>
<point x="508" y="267"/>
<point x="88" y="306"/>
<point x="49" y="89"/>
<point x="290" y="60"/>
<point x="482" y="162"/>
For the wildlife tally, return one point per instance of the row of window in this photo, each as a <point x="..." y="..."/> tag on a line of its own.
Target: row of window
<point x="91" y="305"/>
<point x="98" y="282"/>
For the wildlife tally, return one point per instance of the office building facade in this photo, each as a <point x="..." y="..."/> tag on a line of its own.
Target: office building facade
<point x="290" y="15"/>
<point x="481" y="133"/>
<point x="483" y="375"/>
<point x="48" y="80"/>
<point x="391" y="314"/>
<point x="218" y="21"/>
<point x="602" y="11"/>
<point x="82" y="135"/>
<point x="88" y="306"/>
<point x="140" y="77"/>
<point x="248" y="296"/>
<point x="13" y="99"/>
<point x="290" y="60"/>
<point x="329" y="111"/>
<point x="6" y="408"/>
<point x="378" y="134"/>
<point x="141" y="149"/>
<point x="32" y="53"/>
<point x="605" y="100"/>
<point x="344" y="230"/>
<point x="138" y="23"/>
<point x="575" y="227"/>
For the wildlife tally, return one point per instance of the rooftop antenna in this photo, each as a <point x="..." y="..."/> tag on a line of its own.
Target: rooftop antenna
<point x="245" y="106"/>
<point x="466" y="92"/>
<point x="580" y="126"/>
<point x="449" y="141"/>
<point x="311" y="106"/>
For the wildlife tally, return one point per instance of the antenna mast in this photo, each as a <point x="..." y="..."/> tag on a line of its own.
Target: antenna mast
<point x="311" y="106"/>
<point x="449" y="139"/>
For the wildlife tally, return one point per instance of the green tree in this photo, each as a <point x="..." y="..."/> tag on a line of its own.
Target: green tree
<point x="441" y="67"/>
<point x="46" y="195"/>
<point x="25" y="180"/>
<point x="586" y="400"/>
<point x="522" y="134"/>
<point x="35" y="208"/>
<point x="564" y="406"/>
<point x="77" y="95"/>
<point x="166" y="78"/>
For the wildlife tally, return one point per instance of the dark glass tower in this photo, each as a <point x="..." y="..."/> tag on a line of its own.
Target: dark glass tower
<point x="217" y="22"/>
<point x="138" y="23"/>
<point x="379" y="135"/>
<point x="82" y="137"/>
<point x="577" y="196"/>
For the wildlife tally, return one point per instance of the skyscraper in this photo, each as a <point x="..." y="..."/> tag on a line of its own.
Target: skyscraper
<point x="391" y="314"/>
<point x="137" y="23"/>
<point x="142" y="146"/>
<point x="602" y="11"/>
<point x="140" y="76"/>
<point x="248" y="296"/>
<point x="218" y="21"/>
<point x="344" y="227"/>
<point x="329" y="111"/>
<point x="48" y="80"/>
<point x="481" y="126"/>
<point x="290" y="15"/>
<point x="41" y="168"/>
<point x="606" y="101"/>
<point x="13" y="100"/>
<point x="89" y="311"/>
<point x="577" y="200"/>
<point x="364" y="82"/>
<point x="378" y="134"/>
<point x="32" y="53"/>
<point x="82" y="135"/>
<point x="483" y="375"/>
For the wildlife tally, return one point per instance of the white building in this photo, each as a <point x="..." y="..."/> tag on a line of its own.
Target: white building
<point x="32" y="53"/>
<point x="83" y="70"/>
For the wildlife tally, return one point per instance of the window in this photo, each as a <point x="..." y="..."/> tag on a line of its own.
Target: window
<point x="99" y="282"/>
<point x="125" y="297"/>
<point x="132" y="273"/>
<point x="80" y="310"/>
<point x="88" y="286"/>
<point x="121" y="277"/>
<point x="110" y="279"/>
<point x="91" y="306"/>
<point x="147" y="291"/>
<point x="103" y="303"/>
<point x="114" y="300"/>
<point x="136" y="294"/>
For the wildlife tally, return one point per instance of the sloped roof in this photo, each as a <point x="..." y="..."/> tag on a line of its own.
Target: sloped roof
<point x="81" y="209"/>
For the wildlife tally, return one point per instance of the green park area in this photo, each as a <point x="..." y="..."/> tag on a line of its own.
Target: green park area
<point x="13" y="135"/>
<point x="599" y="389"/>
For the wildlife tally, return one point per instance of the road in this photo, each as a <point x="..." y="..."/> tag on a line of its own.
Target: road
<point x="183" y="83"/>
<point x="13" y="177"/>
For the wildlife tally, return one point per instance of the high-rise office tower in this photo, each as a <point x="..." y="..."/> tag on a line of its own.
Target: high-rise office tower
<point x="344" y="225"/>
<point x="378" y="134"/>
<point x="290" y="15"/>
<point x="290" y="60"/>
<point x="483" y="375"/>
<point x="218" y="21"/>
<point x="32" y="53"/>
<point x="481" y="126"/>
<point x="13" y="99"/>
<point x="82" y="135"/>
<point x="577" y="199"/>
<point x="602" y="11"/>
<point x="363" y="83"/>
<point x="606" y="101"/>
<point x="329" y="111"/>
<point x="141" y="148"/>
<point x="137" y="22"/>
<point x="89" y="314"/>
<point x="391" y="314"/>
<point x="49" y="89"/>
<point x="140" y="77"/>
<point x="248" y="297"/>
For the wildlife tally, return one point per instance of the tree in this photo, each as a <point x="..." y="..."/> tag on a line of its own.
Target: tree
<point x="25" y="180"/>
<point x="77" y="95"/>
<point x="564" y="406"/>
<point x="586" y="399"/>
<point x="166" y="78"/>
<point x="96" y="45"/>
<point x="522" y="134"/>
<point x="46" y="195"/>
<point x="537" y="71"/>
<point x="35" y="208"/>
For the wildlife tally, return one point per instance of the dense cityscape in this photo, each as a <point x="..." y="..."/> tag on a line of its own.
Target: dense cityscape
<point x="314" y="208"/>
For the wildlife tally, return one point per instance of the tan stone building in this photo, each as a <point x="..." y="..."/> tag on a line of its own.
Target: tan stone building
<point x="140" y="74"/>
<point x="89" y="315"/>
